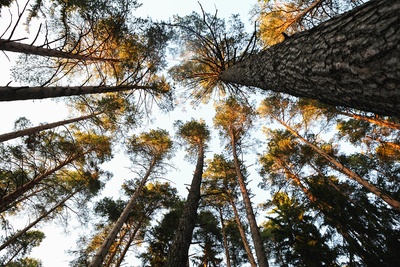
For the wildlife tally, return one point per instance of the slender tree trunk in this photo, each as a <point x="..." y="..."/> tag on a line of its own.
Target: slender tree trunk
<point x="116" y="248"/>
<point x="351" y="60"/>
<point x="377" y="121"/>
<point x="178" y="254"/>
<point x="13" y="196"/>
<point x="242" y="233"/>
<point x="13" y="46"/>
<point x="226" y="248"/>
<point x="44" y="215"/>
<point x="103" y="250"/>
<point x="128" y="244"/>
<point x="36" y="129"/>
<point x="255" y="233"/>
<point x="343" y="169"/>
<point x="8" y="93"/>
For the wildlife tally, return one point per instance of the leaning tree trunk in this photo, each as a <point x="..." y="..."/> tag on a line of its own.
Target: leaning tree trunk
<point x="6" y="201"/>
<point x="351" y="60"/>
<point x="9" y="93"/>
<point x="395" y="204"/>
<point x="242" y="233"/>
<point x="32" y="224"/>
<point x="105" y="247"/>
<point x="255" y="233"/>
<point x="36" y="129"/>
<point x="178" y="254"/>
<point x="224" y="238"/>
<point x="13" y="46"/>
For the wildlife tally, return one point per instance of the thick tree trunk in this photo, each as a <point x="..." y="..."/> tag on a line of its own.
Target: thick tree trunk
<point x="103" y="250"/>
<point x="343" y="169"/>
<point x="13" y="196"/>
<point x="36" y="129"/>
<point x="255" y="233"/>
<point x="8" y="93"/>
<point x="178" y="254"/>
<point x="351" y="60"/>
<point x="13" y="46"/>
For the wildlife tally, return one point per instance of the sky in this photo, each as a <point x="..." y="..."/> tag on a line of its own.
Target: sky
<point x="52" y="250"/>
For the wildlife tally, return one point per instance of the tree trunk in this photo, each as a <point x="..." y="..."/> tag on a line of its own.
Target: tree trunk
<point x="178" y="254"/>
<point x="13" y="46"/>
<point x="8" y="93"/>
<point x="36" y="129"/>
<point x="377" y="121"/>
<point x="103" y="250"/>
<point x="44" y="215"/>
<point x="247" y="248"/>
<point x="343" y="169"/>
<point x="351" y="60"/>
<point x="128" y="244"/>
<point x="255" y="233"/>
<point x="13" y="196"/>
<point x="226" y="248"/>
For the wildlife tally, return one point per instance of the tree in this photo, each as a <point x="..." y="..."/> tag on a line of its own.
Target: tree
<point x="293" y="236"/>
<point x="341" y="205"/>
<point x="24" y="93"/>
<point x="234" y="120"/>
<point x="349" y="60"/>
<point x="155" y="147"/>
<point x="161" y="236"/>
<point x="195" y="134"/>
<point x="24" y="245"/>
<point x="321" y="63"/>
<point x="45" y="156"/>
<point x="220" y="188"/>
<point x="275" y="108"/>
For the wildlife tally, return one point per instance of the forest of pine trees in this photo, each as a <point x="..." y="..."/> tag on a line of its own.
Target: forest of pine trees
<point x="293" y="146"/>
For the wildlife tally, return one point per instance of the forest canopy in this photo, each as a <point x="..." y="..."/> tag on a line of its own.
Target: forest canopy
<point x="199" y="138"/>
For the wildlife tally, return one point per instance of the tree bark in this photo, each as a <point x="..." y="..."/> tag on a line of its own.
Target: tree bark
<point x="343" y="169"/>
<point x="178" y="254"/>
<point x="351" y="60"/>
<point x="13" y="46"/>
<point x="255" y="233"/>
<point x="9" y="93"/>
<point x="103" y="250"/>
<point x="36" y="129"/>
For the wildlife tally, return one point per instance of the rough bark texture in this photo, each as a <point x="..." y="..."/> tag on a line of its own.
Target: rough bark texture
<point x="105" y="247"/>
<point x="8" y="93"/>
<point x="36" y="129"/>
<point x="255" y="233"/>
<point x="351" y="60"/>
<point x="178" y="255"/>
<point x="12" y="46"/>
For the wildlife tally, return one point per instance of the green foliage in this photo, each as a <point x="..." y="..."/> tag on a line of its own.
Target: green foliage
<point x="209" y="46"/>
<point x="194" y="133"/>
<point x="233" y="118"/>
<point x="22" y="247"/>
<point x="155" y="144"/>
<point x="292" y="236"/>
